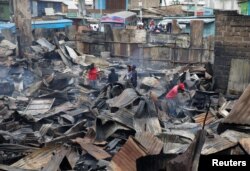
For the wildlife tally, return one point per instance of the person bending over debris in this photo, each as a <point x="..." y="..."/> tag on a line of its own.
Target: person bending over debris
<point x="92" y="75"/>
<point x="113" y="76"/>
<point x="172" y="98"/>
<point x="134" y="76"/>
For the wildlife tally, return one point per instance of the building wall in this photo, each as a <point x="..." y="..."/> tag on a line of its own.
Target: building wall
<point x="232" y="41"/>
<point x="57" y="6"/>
<point x="145" y="3"/>
<point x="222" y="4"/>
<point x="111" y="4"/>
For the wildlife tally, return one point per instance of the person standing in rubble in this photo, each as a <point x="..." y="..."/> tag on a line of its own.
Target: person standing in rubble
<point x="113" y="76"/>
<point x="172" y="99"/>
<point x="129" y="73"/>
<point x="134" y="76"/>
<point x="92" y="75"/>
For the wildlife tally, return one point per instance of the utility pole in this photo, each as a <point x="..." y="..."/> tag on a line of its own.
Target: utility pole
<point x="196" y="8"/>
<point x="82" y="7"/>
<point x="22" y="18"/>
<point x="140" y="5"/>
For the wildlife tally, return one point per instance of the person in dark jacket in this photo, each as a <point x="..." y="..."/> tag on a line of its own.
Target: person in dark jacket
<point x="113" y="76"/>
<point x="134" y="76"/>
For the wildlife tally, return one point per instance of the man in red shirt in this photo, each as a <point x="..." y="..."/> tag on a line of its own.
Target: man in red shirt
<point x="172" y="98"/>
<point x="92" y="75"/>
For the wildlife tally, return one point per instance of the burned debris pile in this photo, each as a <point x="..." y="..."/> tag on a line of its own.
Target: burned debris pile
<point x="50" y="119"/>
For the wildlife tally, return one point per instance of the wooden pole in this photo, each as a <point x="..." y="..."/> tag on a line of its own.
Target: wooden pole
<point x="22" y="14"/>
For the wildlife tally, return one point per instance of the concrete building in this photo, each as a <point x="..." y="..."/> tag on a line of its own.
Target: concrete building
<point x="222" y="4"/>
<point x="144" y="3"/>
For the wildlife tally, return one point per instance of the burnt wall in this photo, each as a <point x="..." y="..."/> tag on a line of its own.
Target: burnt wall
<point x="232" y="41"/>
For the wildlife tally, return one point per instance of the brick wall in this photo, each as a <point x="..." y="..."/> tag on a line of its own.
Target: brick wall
<point x="232" y="41"/>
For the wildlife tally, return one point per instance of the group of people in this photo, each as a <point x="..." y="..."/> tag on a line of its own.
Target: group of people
<point x="152" y="27"/>
<point x="130" y="77"/>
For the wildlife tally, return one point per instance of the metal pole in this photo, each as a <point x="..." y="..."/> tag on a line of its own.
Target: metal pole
<point x="101" y="7"/>
<point x="195" y="10"/>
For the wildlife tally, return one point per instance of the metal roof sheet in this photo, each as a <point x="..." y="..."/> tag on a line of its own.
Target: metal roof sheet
<point x="153" y="144"/>
<point x="125" y="159"/>
<point x="127" y="97"/>
<point x="217" y="144"/>
<point x="240" y="114"/>
<point x="122" y="14"/>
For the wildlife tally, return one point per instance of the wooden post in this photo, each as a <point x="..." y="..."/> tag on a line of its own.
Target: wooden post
<point x="22" y="12"/>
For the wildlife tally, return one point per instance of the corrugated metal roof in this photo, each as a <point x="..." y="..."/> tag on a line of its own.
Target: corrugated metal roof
<point x="125" y="159"/>
<point x="245" y="143"/>
<point x="215" y="145"/>
<point x="151" y="125"/>
<point x="123" y="116"/>
<point x="122" y="14"/>
<point x="39" y="106"/>
<point x="38" y="159"/>
<point x="240" y="114"/>
<point x="234" y="136"/>
<point x="127" y="97"/>
<point x="153" y="144"/>
<point x="93" y="150"/>
<point x="200" y="118"/>
<point x="174" y="148"/>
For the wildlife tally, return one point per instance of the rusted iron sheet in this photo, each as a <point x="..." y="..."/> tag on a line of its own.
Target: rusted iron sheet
<point x="174" y="148"/>
<point x="125" y="159"/>
<point x="61" y="108"/>
<point x="239" y="76"/>
<point x="190" y="159"/>
<point x="127" y="97"/>
<point x="200" y="118"/>
<point x="56" y="160"/>
<point x="37" y="159"/>
<point x="240" y="114"/>
<point x="245" y="143"/>
<point x="93" y="150"/>
<point x="106" y="129"/>
<point x="122" y="116"/>
<point x="39" y="106"/>
<point x="234" y="136"/>
<point x="215" y="145"/>
<point x="11" y="168"/>
<point x="153" y="144"/>
<point x="151" y="125"/>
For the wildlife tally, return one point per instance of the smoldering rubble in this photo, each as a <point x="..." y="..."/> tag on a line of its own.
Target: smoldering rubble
<point x="50" y="119"/>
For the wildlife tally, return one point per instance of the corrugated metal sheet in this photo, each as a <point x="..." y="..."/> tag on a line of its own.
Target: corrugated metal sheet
<point x="39" y="106"/>
<point x="125" y="159"/>
<point x="245" y="143"/>
<point x="123" y="116"/>
<point x="93" y="150"/>
<point x="150" y="142"/>
<point x="234" y="136"/>
<point x="175" y="148"/>
<point x="151" y="125"/>
<point x="215" y="145"/>
<point x="106" y="129"/>
<point x="200" y="118"/>
<point x="37" y="159"/>
<point x="127" y="97"/>
<point x="240" y="114"/>
<point x="239" y="76"/>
